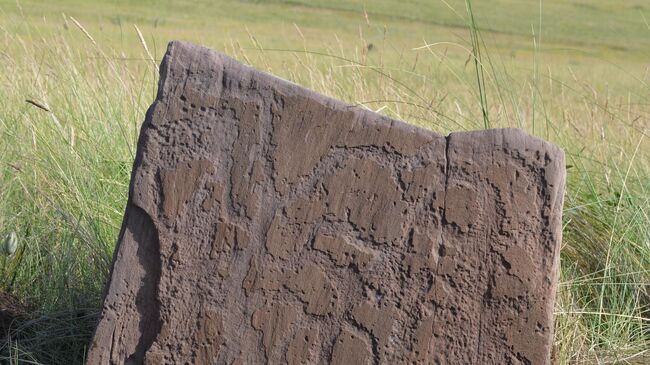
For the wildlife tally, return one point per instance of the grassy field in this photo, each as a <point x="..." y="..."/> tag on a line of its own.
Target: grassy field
<point x="78" y="76"/>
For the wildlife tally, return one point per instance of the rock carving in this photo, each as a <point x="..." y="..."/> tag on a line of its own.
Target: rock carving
<point x="269" y="224"/>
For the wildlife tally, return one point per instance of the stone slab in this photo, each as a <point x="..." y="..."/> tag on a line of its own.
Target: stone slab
<point x="269" y="224"/>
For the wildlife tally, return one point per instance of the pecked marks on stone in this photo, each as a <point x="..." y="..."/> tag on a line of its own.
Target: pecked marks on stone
<point x="350" y="348"/>
<point x="496" y="280"/>
<point x="269" y="224"/>
<point x="464" y="209"/>
<point x="302" y="346"/>
<point x="227" y="237"/>
<point x="180" y="183"/>
<point x="273" y="321"/>
<point x="312" y="285"/>
<point x="378" y="322"/>
<point x="284" y="239"/>
<point x="376" y="209"/>
<point x="343" y="253"/>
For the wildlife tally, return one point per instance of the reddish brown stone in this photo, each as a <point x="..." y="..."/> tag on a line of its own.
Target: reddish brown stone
<point x="269" y="224"/>
<point x="341" y="252"/>
<point x="350" y="348"/>
<point x="301" y="348"/>
<point x="274" y="322"/>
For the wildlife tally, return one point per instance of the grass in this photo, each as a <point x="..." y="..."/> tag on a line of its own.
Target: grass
<point x="572" y="72"/>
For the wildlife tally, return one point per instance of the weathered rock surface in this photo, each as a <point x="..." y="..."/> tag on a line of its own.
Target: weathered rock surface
<point x="269" y="224"/>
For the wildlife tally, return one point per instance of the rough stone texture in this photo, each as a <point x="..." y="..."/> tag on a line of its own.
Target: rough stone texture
<point x="269" y="224"/>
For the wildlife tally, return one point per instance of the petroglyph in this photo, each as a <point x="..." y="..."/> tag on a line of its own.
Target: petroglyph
<point x="269" y="224"/>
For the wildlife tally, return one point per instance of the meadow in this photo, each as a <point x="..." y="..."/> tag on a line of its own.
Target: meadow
<point x="77" y="77"/>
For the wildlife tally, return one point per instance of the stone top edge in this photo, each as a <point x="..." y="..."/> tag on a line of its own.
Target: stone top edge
<point x="512" y="137"/>
<point x="507" y="137"/>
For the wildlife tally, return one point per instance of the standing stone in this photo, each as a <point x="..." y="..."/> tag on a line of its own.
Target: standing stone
<point x="269" y="224"/>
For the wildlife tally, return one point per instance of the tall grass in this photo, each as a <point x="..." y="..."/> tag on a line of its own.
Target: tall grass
<point x="66" y="155"/>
